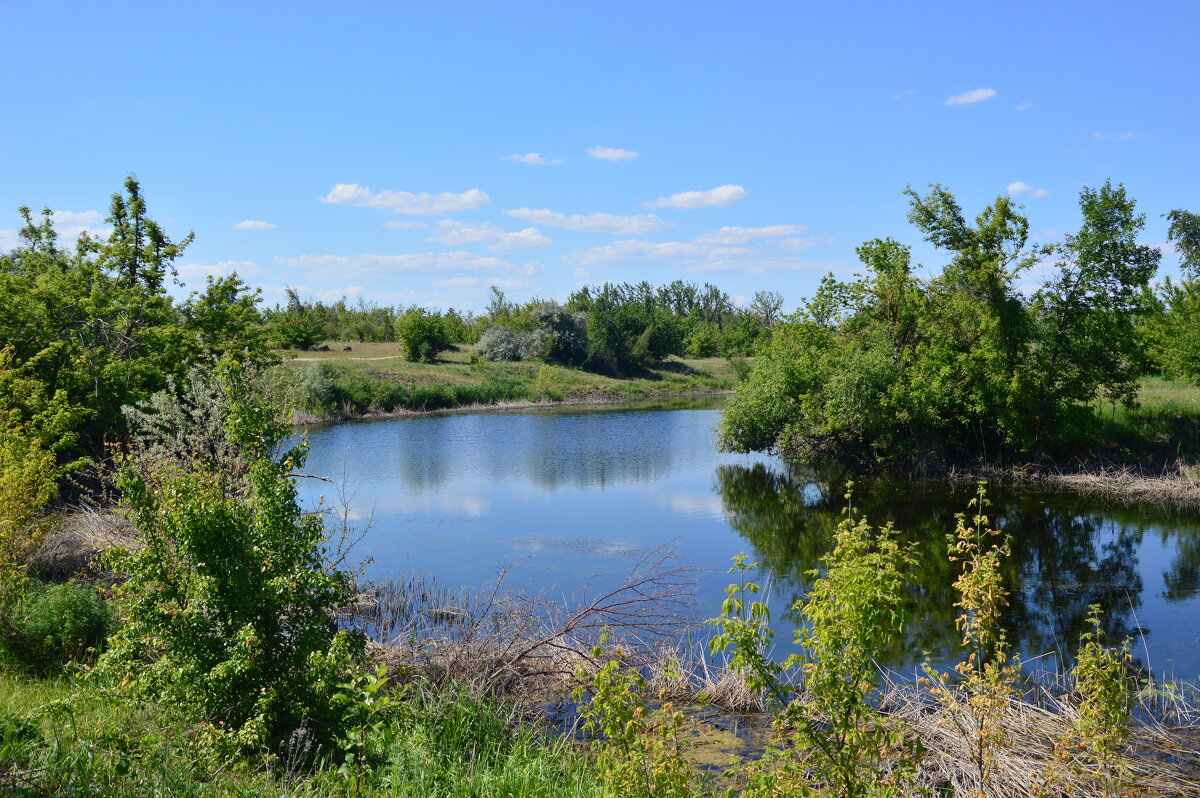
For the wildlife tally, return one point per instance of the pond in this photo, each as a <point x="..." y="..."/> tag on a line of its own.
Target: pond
<point x="568" y="500"/>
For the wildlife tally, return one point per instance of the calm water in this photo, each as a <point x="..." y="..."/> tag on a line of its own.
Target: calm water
<point x="570" y="500"/>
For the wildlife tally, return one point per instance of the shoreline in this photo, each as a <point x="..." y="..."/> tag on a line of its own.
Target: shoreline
<point x="597" y="400"/>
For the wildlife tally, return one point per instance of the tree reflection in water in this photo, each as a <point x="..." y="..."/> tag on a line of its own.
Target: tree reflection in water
<point x="1067" y="553"/>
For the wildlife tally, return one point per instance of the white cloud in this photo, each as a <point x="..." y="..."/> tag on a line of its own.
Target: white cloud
<point x="692" y="257"/>
<point x="903" y="95"/>
<point x="972" y="96"/>
<point x="324" y="265"/>
<point x="1117" y="137"/>
<point x="77" y="218"/>
<point x="582" y="273"/>
<point x="497" y="239"/>
<point x="712" y="198"/>
<point x="9" y="240"/>
<point x="423" y="204"/>
<point x="1021" y="187"/>
<point x="795" y="243"/>
<point x="734" y="236"/>
<point x="253" y="224"/>
<point x="406" y="225"/>
<point x="72" y="224"/>
<point x="198" y="271"/>
<point x="529" y="158"/>
<point x="461" y="282"/>
<point x="1023" y="106"/>
<point x="593" y="222"/>
<point x="533" y="159"/>
<point x="612" y="154"/>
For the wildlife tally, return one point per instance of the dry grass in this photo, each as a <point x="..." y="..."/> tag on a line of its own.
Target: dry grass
<point x="1161" y="759"/>
<point x="1177" y="486"/>
<point x="77" y="539"/>
<point x="518" y="645"/>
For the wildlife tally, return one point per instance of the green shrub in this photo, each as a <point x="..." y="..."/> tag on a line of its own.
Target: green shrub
<point x="423" y="334"/>
<point x="503" y="344"/>
<point x="228" y="604"/>
<point x="315" y="386"/>
<point x="50" y="626"/>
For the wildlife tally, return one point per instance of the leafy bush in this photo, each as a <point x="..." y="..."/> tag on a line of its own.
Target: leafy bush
<point x="890" y="368"/>
<point x="423" y="334"/>
<point x="566" y="338"/>
<point x="504" y="344"/>
<point x="315" y="387"/>
<point x="228" y="607"/>
<point x="50" y="626"/>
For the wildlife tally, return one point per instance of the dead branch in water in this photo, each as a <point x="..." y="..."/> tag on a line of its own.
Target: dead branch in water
<point x="500" y="641"/>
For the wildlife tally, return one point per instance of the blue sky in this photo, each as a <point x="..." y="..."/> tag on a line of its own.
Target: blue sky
<point x="420" y="152"/>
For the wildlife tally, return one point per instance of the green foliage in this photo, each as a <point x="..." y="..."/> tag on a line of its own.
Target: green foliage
<point x="1184" y="233"/>
<point x="1104" y="684"/>
<point x="565" y="334"/>
<point x="95" y="327"/>
<point x="638" y="750"/>
<point x="423" y="335"/>
<point x="32" y="427"/>
<point x="892" y="369"/>
<point x="226" y="320"/>
<point x="503" y="344"/>
<point x="833" y="736"/>
<point x="227" y="608"/>
<point x="47" y="627"/>
<point x="987" y="678"/>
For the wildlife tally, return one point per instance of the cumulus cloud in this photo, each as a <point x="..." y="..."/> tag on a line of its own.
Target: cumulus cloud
<point x="612" y="154"/>
<point x="1117" y="137"/>
<point x="795" y="243"/>
<point x="529" y="158"/>
<point x="712" y="198"/>
<point x="78" y="217"/>
<point x="406" y="225"/>
<point x="1023" y="106"/>
<point x="72" y="224"/>
<point x="1021" y="187"/>
<point x="593" y="222"/>
<point x="461" y="282"/>
<point x="689" y="256"/>
<point x="532" y="159"/>
<point x="972" y="96"/>
<point x="736" y="236"/>
<point x="497" y="239"/>
<point x="324" y="265"/>
<point x="423" y="204"/>
<point x="253" y="224"/>
<point x="198" y="271"/>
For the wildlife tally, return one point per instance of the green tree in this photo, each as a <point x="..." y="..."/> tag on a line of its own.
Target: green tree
<point x="422" y="334"/>
<point x="1086" y="314"/>
<point x="228" y="606"/>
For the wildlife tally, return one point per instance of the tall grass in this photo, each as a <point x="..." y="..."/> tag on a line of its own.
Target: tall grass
<point x="89" y="741"/>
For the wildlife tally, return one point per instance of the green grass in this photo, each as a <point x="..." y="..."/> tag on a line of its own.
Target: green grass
<point x="1163" y="428"/>
<point x="92" y="741"/>
<point x="376" y="377"/>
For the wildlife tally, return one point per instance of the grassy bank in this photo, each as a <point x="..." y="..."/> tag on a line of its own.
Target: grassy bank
<point x="375" y="377"/>
<point x="68" y="736"/>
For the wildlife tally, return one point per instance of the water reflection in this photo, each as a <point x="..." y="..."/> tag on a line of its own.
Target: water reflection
<point x="1066" y="555"/>
<point x="576" y="497"/>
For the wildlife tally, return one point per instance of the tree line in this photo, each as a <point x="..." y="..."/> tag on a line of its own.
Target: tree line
<point x="975" y="363"/>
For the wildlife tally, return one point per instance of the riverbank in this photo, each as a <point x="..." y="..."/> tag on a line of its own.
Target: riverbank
<point x="374" y="381"/>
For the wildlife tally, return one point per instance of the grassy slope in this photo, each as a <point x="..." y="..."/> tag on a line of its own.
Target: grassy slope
<point x="96" y="742"/>
<point x="378" y="364"/>
<point x="1163" y="428"/>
